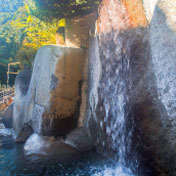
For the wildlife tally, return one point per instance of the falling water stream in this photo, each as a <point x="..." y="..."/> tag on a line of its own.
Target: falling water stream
<point x="14" y="162"/>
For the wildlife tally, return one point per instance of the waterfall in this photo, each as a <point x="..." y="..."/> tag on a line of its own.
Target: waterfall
<point x="109" y="96"/>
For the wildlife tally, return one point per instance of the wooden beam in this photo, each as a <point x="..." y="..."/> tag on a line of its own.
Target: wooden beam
<point x="14" y="63"/>
<point x="12" y="73"/>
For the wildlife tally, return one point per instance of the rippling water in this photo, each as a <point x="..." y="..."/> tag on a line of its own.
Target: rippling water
<point x="14" y="163"/>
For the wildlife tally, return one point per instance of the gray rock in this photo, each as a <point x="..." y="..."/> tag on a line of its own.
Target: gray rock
<point x="67" y="149"/>
<point x="160" y="114"/>
<point x="22" y="82"/>
<point x="7" y="116"/>
<point x="132" y="86"/>
<point x="52" y="103"/>
<point x="49" y="147"/>
<point x="80" y="140"/>
<point x="24" y="133"/>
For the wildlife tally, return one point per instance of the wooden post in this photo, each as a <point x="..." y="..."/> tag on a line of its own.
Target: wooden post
<point x="8" y="71"/>
<point x="8" y="75"/>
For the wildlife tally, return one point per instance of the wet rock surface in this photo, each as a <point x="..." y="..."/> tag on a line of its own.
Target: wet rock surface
<point x="49" y="146"/>
<point x="7" y="116"/>
<point x="80" y="140"/>
<point x="159" y="116"/>
<point x="25" y="133"/>
<point x="131" y="106"/>
<point x="64" y="149"/>
<point x="131" y="94"/>
<point x="55" y="100"/>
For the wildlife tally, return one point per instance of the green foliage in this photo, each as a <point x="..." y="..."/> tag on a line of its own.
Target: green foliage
<point x="9" y="41"/>
<point x="22" y="28"/>
<point x="36" y="32"/>
<point x="22" y="32"/>
<point x="26" y="55"/>
<point x="26" y="25"/>
<point x="66" y="8"/>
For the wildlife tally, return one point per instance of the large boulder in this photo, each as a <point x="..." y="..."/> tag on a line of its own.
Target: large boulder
<point x="131" y="106"/>
<point x="62" y="148"/>
<point x="159" y="112"/>
<point x="52" y="102"/>
<point x="49" y="147"/>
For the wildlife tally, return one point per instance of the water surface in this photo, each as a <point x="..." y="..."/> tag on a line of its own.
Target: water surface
<point x="13" y="162"/>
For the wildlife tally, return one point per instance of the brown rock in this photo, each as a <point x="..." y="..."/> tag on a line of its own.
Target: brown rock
<point x="7" y="117"/>
<point x="52" y="102"/>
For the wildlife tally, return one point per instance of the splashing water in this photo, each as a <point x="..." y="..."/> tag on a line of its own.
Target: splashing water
<point x="118" y="171"/>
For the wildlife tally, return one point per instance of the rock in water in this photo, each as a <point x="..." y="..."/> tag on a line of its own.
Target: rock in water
<point x="80" y="140"/>
<point x="48" y="146"/>
<point x="52" y="102"/>
<point x="7" y="116"/>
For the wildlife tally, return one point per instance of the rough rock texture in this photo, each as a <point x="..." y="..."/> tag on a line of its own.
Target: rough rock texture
<point x="22" y="82"/>
<point x="75" y="143"/>
<point x="77" y="30"/>
<point x="160" y="118"/>
<point x="83" y="106"/>
<point x="80" y="140"/>
<point x="132" y="84"/>
<point x="24" y="133"/>
<point x="50" y="147"/>
<point x="52" y="103"/>
<point x="7" y="116"/>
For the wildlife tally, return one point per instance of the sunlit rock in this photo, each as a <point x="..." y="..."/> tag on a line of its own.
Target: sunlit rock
<point x="77" y="30"/>
<point x="118" y="60"/>
<point x="52" y="103"/>
<point x="131" y="96"/>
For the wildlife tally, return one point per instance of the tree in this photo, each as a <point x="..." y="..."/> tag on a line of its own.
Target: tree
<point x="66" y="8"/>
<point x="22" y="29"/>
<point x="26" y="25"/>
<point x="34" y="32"/>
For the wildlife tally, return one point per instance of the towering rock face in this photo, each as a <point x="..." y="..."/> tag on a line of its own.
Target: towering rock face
<point x="52" y="103"/>
<point x="117" y="50"/>
<point x="160" y="127"/>
<point x="131" y="104"/>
